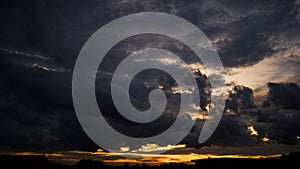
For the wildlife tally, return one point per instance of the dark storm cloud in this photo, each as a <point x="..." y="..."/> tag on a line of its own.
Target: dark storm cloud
<point x="36" y="108"/>
<point x="279" y="125"/>
<point x="40" y="41"/>
<point x="233" y="128"/>
<point x="240" y="97"/>
<point x="241" y="30"/>
<point x="232" y="131"/>
<point x="144" y="83"/>
<point x="285" y="95"/>
<point x="277" y="119"/>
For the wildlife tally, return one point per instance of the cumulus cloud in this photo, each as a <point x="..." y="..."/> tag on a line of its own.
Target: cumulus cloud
<point x="284" y="95"/>
<point x="244" y="123"/>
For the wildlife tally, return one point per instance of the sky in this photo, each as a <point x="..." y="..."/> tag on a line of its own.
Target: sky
<point x="257" y="41"/>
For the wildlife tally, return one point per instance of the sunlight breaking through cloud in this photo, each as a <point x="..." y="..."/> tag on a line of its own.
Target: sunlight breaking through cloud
<point x="253" y="132"/>
<point x="155" y="147"/>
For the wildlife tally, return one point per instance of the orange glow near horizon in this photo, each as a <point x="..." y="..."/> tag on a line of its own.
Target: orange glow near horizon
<point x="71" y="157"/>
<point x="181" y="158"/>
